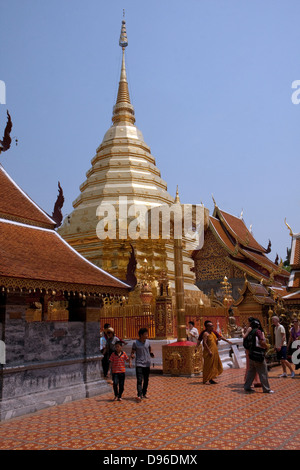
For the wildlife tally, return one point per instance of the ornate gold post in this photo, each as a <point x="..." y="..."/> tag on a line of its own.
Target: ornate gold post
<point x="164" y="321"/>
<point x="227" y="301"/>
<point x="181" y="357"/>
<point x="179" y="290"/>
<point x="271" y="331"/>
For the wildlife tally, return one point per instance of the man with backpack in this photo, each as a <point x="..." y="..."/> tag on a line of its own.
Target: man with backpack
<point x="255" y="342"/>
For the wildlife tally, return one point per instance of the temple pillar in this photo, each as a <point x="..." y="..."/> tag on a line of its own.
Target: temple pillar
<point x="164" y="323"/>
<point x="164" y="319"/>
<point x="181" y="358"/>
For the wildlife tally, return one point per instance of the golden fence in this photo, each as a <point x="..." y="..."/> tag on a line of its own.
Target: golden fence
<point x="128" y="327"/>
<point x="128" y="319"/>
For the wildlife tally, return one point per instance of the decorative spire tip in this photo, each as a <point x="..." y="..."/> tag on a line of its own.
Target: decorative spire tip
<point x="123" y="42"/>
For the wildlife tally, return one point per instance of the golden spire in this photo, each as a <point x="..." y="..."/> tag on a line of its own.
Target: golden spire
<point x="177" y="195"/>
<point x="123" y="109"/>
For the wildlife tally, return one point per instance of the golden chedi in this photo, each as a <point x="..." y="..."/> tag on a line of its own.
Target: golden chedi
<point x="121" y="185"/>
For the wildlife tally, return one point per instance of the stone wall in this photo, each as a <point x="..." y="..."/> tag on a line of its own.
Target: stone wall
<point x="48" y="363"/>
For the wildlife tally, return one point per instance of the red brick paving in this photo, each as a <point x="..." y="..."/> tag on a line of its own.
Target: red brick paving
<point x="181" y="414"/>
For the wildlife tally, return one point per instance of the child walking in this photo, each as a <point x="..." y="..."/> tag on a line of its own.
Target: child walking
<point x="117" y="366"/>
<point x="141" y="349"/>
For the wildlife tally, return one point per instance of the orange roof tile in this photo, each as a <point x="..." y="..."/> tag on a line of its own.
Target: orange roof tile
<point x="280" y="291"/>
<point x="295" y="251"/>
<point x="259" y="292"/>
<point x="257" y="289"/>
<point x="220" y="232"/>
<point x="292" y="296"/>
<point x="244" y="266"/>
<point x="264" y="261"/>
<point x="35" y="253"/>
<point x="239" y="231"/>
<point x="16" y="205"/>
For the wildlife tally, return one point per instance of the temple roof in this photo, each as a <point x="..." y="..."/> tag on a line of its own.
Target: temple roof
<point x="33" y="253"/>
<point x="15" y="204"/>
<point x="294" y="296"/>
<point x="295" y="251"/>
<point x="259" y="292"/>
<point x="220" y="233"/>
<point x="237" y="229"/>
<point x="294" y="280"/>
<point x="243" y="250"/>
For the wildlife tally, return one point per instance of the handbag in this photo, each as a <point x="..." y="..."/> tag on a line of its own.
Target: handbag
<point x="257" y="354"/>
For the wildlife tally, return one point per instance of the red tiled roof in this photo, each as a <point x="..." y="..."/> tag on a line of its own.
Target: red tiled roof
<point x="34" y="253"/>
<point x="280" y="291"/>
<point x="243" y="249"/>
<point x="294" y="280"/>
<point x="292" y="296"/>
<point x="244" y="266"/>
<point x="219" y="231"/>
<point x="257" y="289"/>
<point x="259" y="292"/>
<point x="295" y="251"/>
<point x="237" y="228"/>
<point x="16" y="205"/>
<point x="264" y="261"/>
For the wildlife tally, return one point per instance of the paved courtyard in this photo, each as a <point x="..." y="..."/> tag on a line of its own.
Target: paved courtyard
<point x="180" y="414"/>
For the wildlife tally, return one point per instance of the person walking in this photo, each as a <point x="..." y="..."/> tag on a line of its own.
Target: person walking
<point x="246" y="343"/>
<point x="117" y="366"/>
<point x="281" y="347"/>
<point x="212" y="365"/>
<point x="257" y="361"/>
<point x="141" y="350"/>
<point x="109" y="348"/>
<point x="105" y="359"/>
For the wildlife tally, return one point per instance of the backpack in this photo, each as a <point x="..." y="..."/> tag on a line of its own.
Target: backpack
<point x="256" y="353"/>
<point x="247" y="342"/>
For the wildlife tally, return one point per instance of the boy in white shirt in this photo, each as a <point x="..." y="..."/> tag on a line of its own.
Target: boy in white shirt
<point x="281" y="347"/>
<point x="192" y="332"/>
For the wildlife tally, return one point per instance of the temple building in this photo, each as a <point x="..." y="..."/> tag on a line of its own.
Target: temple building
<point x="50" y="303"/>
<point x="230" y="250"/>
<point x="124" y="179"/>
<point x="292" y="296"/>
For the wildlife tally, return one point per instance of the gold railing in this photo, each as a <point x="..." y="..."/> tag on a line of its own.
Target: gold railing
<point x="127" y="320"/>
<point x="128" y="327"/>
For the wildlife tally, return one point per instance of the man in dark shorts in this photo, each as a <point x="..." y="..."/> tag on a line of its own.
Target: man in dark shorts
<point x="281" y="347"/>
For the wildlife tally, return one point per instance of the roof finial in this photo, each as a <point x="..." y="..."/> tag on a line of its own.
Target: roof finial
<point x="291" y="231"/>
<point x="123" y="42"/>
<point x="177" y="195"/>
<point x="123" y="110"/>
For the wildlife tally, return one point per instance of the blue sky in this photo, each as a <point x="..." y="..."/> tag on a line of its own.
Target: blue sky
<point x="210" y="81"/>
